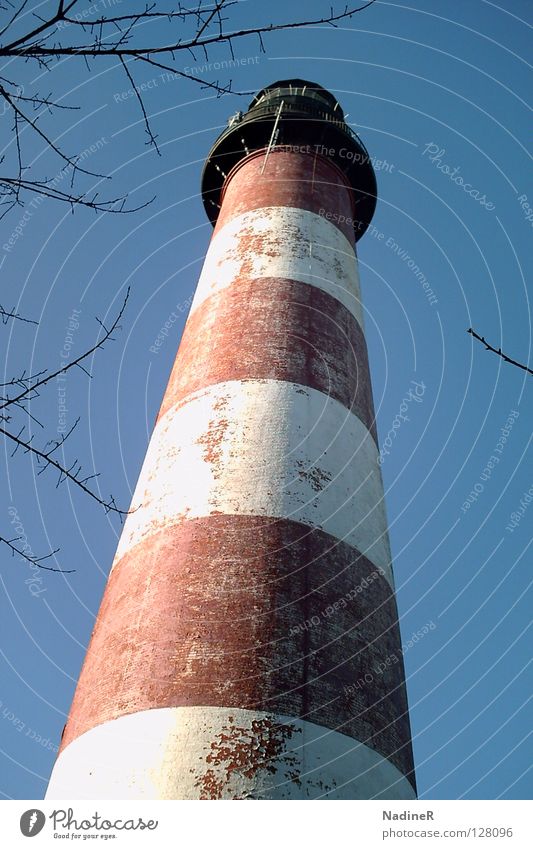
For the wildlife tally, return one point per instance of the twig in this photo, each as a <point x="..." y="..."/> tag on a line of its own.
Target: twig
<point x="30" y="388"/>
<point x="35" y="561"/>
<point x="499" y="352"/>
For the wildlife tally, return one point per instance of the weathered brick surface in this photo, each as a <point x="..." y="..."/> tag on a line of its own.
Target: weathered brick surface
<point x="303" y="181"/>
<point x="275" y="329"/>
<point x="240" y="611"/>
<point x="243" y="611"/>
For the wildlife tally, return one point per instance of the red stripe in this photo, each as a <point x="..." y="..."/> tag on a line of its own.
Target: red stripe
<point x="299" y="180"/>
<point x="233" y="611"/>
<point x="275" y="329"/>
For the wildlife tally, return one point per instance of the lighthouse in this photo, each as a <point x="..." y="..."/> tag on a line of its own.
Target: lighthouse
<point x="247" y="645"/>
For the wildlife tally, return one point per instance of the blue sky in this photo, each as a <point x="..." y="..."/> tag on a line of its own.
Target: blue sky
<point x="431" y="87"/>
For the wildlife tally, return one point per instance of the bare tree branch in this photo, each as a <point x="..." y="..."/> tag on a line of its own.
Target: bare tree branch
<point x="125" y="37"/>
<point x="10" y="189"/>
<point x="5" y="315"/>
<point x="499" y="352"/>
<point x="153" y="37"/>
<point x="26" y="47"/>
<point x="14" y="17"/>
<point x="31" y="387"/>
<point x="151" y="137"/>
<point x="29" y="390"/>
<point x="72" y="473"/>
<point x="35" y="561"/>
<point x="20" y="116"/>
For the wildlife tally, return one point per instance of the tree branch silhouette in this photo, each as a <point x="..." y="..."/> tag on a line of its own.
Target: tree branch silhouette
<point x="150" y="35"/>
<point x="154" y="37"/>
<point x="18" y="392"/>
<point x="35" y="561"/>
<point x="499" y="352"/>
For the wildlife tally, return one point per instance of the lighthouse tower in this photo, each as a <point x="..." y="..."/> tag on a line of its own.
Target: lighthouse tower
<point x="247" y="645"/>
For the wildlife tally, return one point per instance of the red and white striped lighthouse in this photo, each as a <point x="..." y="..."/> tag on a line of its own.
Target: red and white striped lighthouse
<point x="247" y="645"/>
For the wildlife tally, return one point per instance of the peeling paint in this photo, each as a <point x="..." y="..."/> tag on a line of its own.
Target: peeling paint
<point x="258" y="507"/>
<point x="286" y="182"/>
<point x="271" y="434"/>
<point x="214" y="438"/>
<point x="275" y="329"/>
<point x="248" y="751"/>
<point x="331" y="267"/>
<point x="162" y="754"/>
<point x="316" y="477"/>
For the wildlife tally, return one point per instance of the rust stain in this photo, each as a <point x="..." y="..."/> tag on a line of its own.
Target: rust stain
<point x="285" y="182"/>
<point x="222" y="626"/>
<point x="316" y="477"/>
<point x="262" y="329"/>
<point x="252" y="245"/>
<point x="215" y="436"/>
<point x="228" y="643"/>
<point x="247" y="751"/>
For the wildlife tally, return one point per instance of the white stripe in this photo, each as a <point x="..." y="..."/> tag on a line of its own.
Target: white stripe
<point x="263" y="448"/>
<point x="280" y="241"/>
<point x="188" y="752"/>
